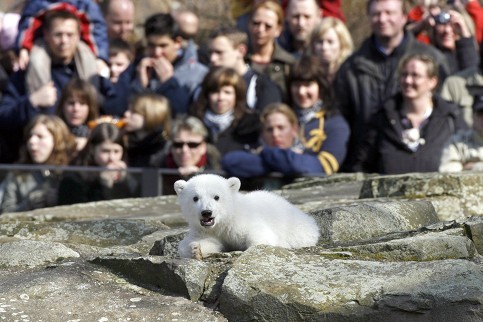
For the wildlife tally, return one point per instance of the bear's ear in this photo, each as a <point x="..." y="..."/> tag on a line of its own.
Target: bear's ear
<point x="179" y="186"/>
<point x="234" y="184"/>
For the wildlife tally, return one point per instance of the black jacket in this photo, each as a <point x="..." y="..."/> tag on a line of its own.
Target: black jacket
<point x="368" y="78"/>
<point x="383" y="150"/>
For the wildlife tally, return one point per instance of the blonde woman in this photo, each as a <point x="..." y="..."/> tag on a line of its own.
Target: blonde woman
<point x="148" y="122"/>
<point x="331" y="41"/>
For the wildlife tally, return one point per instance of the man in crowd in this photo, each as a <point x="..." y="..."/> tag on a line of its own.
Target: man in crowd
<point x="301" y="16"/>
<point x="369" y="76"/>
<point x="228" y="47"/>
<point x="37" y="89"/>
<point x="169" y="68"/>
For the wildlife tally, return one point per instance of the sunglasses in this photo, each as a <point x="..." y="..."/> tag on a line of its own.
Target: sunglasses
<point x="191" y="145"/>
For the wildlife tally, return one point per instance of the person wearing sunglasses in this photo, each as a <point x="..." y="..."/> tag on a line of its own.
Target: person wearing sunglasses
<point x="187" y="151"/>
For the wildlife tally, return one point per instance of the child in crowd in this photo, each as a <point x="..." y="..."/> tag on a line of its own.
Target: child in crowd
<point x="221" y="106"/>
<point x="78" y="105"/>
<point x="105" y="148"/>
<point x="148" y="122"/>
<point x="48" y="142"/>
<point x="120" y="56"/>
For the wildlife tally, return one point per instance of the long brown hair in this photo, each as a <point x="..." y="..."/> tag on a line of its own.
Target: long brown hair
<point x="64" y="141"/>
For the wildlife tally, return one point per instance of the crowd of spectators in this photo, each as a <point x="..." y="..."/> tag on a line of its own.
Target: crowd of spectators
<point x="281" y="90"/>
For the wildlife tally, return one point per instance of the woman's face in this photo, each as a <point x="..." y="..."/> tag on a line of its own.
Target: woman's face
<point x="134" y="121"/>
<point x="75" y="111"/>
<point x="277" y="131"/>
<point x="327" y="47"/>
<point x="223" y="100"/>
<point x="107" y="152"/>
<point x="264" y="27"/>
<point x="305" y="93"/>
<point x="40" y="144"/>
<point x="187" y="148"/>
<point x="414" y="80"/>
<point x="445" y="36"/>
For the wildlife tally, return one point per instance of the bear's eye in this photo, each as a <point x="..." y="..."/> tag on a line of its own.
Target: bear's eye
<point x="195" y="199"/>
<point x="217" y="198"/>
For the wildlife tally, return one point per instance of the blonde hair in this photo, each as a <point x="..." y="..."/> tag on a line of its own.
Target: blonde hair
<point x="155" y="109"/>
<point x="345" y="38"/>
<point x="281" y="108"/>
<point x="272" y="6"/>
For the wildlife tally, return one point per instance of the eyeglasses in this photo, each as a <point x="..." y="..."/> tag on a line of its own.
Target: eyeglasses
<point x="191" y="145"/>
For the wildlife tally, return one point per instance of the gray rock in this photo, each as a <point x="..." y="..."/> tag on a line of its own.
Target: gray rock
<point x="274" y="284"/>
<point x="31" y="253"/>
<point x="424" y="247"/>
<point x="82" y="292"/>
<point x="367" y="221"/>
<point x="474" y="229"/>
<point x="465" y="187"/>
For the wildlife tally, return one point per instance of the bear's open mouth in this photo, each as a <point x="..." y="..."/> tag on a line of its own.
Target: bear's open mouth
<point x="207" y="222"/>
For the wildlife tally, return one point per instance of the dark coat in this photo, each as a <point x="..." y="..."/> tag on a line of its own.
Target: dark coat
<point x="241" y="135"/>
<point x="384" y="151"/>
<point x="368" y="78"/>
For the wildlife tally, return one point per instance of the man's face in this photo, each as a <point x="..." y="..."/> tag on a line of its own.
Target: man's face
<point x="387" y="18"/>
<point x="223" y="53"/>
<point x="302" y="15"/>
<point x="163" y="46"/>
<point x="63" y="39"/>
<point x="120" y="20"/>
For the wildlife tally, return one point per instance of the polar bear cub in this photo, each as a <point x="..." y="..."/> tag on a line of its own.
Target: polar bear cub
<point x="222" y="219"/>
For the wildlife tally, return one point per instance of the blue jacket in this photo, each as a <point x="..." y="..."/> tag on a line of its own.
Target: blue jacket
<point x="180" y="89"/>
<point x="325" y="140"/>
<point x="93" y="26"/>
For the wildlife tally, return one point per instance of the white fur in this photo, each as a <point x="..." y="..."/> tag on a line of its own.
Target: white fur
<point x="240" y="220"/>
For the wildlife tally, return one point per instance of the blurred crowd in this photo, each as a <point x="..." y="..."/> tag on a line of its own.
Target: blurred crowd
<point x="281" y="90"/>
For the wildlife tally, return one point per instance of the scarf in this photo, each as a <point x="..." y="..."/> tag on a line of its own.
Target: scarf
<point x="218" y="123"/>
<point x="39" y="69"/>
<point x="80" y="131"/>
<point x="304" y="115"/>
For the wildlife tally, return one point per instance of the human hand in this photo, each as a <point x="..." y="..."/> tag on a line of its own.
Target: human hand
<point x="143" y="70"/>
<point x="163" y="68"/>
<point x="459" y="25"/>
<point x="23" y="58"/>
<point x="45" y="97"/>
<point x="102" y="68"/>
<point x="112" y="176"/>
<point x="185" y="171"/>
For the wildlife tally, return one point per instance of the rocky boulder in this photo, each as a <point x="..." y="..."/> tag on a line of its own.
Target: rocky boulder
<point x="389" y="250"/>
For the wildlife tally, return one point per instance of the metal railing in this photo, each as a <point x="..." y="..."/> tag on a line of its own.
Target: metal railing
<point x="150" y="179"/>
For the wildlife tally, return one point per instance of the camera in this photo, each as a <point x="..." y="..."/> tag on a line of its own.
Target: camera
<point x="442" y="18"/>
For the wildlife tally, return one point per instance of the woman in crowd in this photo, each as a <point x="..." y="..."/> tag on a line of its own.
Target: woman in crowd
<point x="266" y="56"/>
<point x="105" y="148"/>
<point x="325" y="132"/>
<point x="221" y="106"/>
<point x="281" y="151"/>
<point x="453" y="34"/>
<point x="331" y="41"/>
<point x="148" y="122"/>
<point x="48" y="142"/>
<point x="187" y="151"/>
<point x="409" y="132"/>
<point x="78" y="105"/>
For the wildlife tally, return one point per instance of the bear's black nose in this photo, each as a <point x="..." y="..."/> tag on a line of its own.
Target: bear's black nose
<point x="206" y="213"/>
